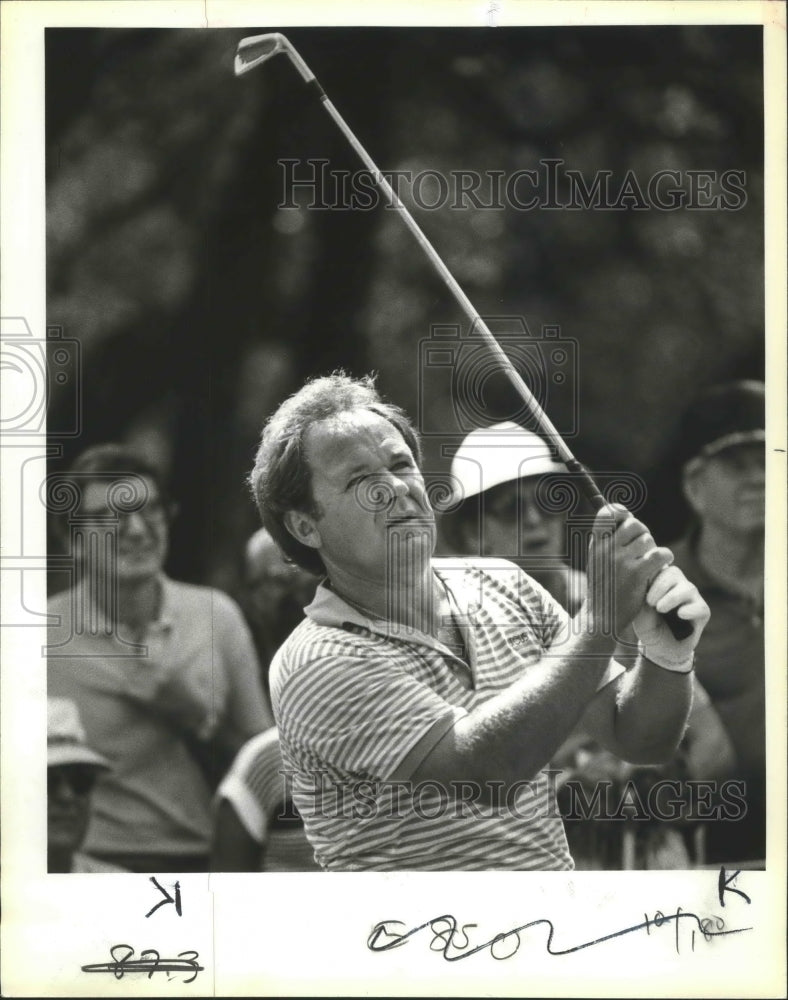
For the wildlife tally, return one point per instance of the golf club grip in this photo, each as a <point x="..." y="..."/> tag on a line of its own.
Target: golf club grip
<point x="680" y="628"/>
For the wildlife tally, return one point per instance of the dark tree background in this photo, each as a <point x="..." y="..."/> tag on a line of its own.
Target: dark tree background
<point x="200" y="304"/>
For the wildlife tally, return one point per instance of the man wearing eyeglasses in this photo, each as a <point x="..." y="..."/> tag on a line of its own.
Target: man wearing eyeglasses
<point x="164" y="673"/>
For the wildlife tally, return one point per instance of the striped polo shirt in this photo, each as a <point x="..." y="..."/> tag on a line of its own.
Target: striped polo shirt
<point x="353" y="696"/>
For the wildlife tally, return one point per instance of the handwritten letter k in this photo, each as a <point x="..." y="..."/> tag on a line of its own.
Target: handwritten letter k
<point x="167" y="898"/>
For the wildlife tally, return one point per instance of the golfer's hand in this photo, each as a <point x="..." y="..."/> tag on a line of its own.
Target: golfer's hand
<point x="623" y="563"/>
<point x="671" y="589"/>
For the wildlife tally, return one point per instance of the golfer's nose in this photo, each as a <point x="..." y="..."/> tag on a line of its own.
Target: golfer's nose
<point x="393" y="489"/>
<point x="400" y="485"/>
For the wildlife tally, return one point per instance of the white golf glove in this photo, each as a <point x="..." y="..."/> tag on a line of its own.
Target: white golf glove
<point x="671" y="589"/>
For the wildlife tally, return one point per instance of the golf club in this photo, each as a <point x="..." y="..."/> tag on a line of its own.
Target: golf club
<point x="257" y="49"/>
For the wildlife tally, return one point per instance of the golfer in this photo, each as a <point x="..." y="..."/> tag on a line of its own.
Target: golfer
<point x="421" y="699"/>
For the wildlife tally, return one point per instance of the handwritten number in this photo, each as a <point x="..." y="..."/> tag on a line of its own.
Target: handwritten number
<point x="150" y="961"/>
<point x="500" y="938"/>
<point x="157" y="956"/>
<point x="120" y="962"/>
<point x="191" y="962"/>
<point x="448" y="936"/>
<point x="445" y="934"/>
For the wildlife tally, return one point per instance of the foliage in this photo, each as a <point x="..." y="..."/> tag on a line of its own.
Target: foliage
<point x="200" y="303"/>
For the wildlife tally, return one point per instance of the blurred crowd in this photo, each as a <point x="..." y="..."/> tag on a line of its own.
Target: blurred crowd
<point x="162" y="750"/>
<point x="162" y="747"/>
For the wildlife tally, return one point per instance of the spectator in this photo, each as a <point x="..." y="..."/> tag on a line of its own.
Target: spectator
<point x="257" y="827"/>
<point x="413" y="681"/>
<point x="275" y="594"/>
<point x="72" y="769"/>
<point x="164" y="673"/>
<point x="497" y="472"/>
<point x="722" y="440"/>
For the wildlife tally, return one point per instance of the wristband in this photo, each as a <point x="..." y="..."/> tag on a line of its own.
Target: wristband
<point x="674" y="666"/>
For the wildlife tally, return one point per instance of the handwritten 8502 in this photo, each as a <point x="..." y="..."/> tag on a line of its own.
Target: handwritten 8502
<point x="452" y="940"/>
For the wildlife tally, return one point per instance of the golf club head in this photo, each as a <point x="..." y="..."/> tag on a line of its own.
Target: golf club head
<point x="256" y="49"/>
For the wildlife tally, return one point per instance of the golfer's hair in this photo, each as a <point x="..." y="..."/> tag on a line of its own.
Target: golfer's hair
<point x="281" y="479"/>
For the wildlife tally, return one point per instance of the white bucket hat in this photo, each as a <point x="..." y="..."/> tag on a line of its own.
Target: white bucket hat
<point x="499" y="454"/>
<point x="66" y="739"/>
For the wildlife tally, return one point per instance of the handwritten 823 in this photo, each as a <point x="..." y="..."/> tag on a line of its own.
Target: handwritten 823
<point x="149" y="962"/>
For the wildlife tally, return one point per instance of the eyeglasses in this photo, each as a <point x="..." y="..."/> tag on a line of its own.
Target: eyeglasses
<point x="513" y="501"/>
<point x="80" y="778"/>
<point x="153" y="511"/>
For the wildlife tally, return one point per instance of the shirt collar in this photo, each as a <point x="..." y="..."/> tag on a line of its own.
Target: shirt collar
<point x="328" y="608"/>
<point x="166" y="616"/>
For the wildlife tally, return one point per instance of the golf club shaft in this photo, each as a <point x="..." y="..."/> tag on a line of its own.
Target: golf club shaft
<point x="257" y="49"/>
<point x="679" y="627"/>
<point x="477" y="323"/>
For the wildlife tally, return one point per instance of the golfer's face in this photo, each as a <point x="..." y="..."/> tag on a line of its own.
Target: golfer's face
<point x="372" y="505"/>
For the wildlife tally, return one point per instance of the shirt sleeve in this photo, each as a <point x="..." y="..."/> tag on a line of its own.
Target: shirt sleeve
<point x="254" y="785"/>
<point x="356" y="714"/>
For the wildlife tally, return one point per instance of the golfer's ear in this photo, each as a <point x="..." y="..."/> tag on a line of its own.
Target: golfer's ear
<point x="303" y="528"/>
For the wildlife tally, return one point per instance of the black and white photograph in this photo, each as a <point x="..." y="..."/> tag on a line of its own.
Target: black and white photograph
<point x="393" y="442"/>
